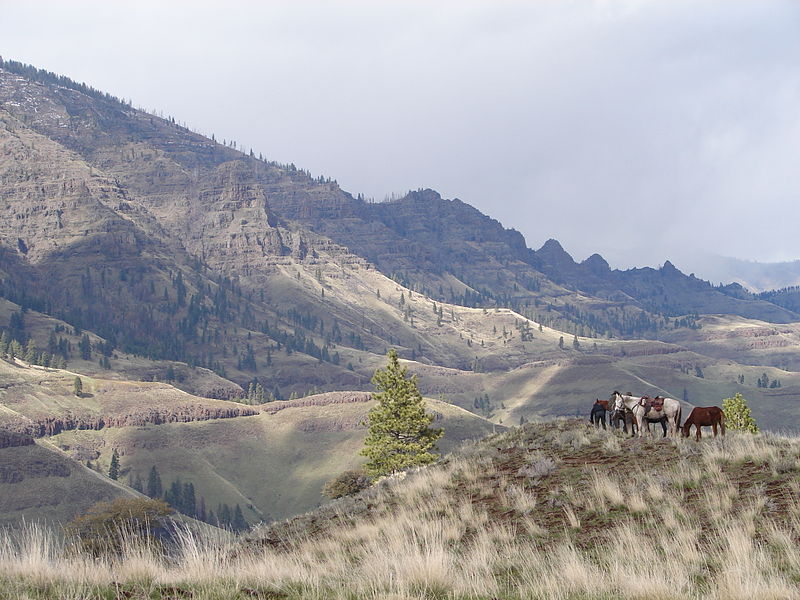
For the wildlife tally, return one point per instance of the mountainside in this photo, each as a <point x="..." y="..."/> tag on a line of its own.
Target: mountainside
<point x="228" y="221"/>
<point x="175" y="274"/>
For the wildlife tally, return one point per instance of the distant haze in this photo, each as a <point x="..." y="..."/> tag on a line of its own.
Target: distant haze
<point x="643" y="131"/>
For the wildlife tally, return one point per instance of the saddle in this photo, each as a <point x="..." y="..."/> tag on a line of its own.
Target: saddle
<point x="656" y="404"/>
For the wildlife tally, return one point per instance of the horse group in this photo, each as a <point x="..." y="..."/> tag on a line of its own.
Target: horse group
<point x="639" y="411"/>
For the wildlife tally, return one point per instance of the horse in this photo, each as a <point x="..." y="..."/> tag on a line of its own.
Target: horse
<point x="598" y="415"/>
<point x="625" y="415"/>
<point x="620" y="413"/>
<point x="668" y="408"/>
<point x="704" y="416"/>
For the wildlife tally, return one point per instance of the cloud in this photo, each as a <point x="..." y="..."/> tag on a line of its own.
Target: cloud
<point x="640" y="130"/>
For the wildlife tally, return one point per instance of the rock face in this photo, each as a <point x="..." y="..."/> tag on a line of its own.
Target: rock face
<point x="14" y="439"/>
<point x="53" y="425"/>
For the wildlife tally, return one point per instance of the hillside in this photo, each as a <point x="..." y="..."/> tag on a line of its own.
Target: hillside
<point x="497" y="519"/>
<point x="173" y="246"/>
<point x="291" y="447"/>
<point x="38" y="483"/>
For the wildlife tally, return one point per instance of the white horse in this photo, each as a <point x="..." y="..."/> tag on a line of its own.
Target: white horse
<point x="671" y="410"/>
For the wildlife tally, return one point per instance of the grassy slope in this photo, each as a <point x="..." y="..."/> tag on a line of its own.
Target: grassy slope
<point x="41" y="483"/>
<point x="612" y="517"/>
<point x="273" y="465"/>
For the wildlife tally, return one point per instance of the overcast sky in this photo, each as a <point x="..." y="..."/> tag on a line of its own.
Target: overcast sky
<point x="643" y="131"/>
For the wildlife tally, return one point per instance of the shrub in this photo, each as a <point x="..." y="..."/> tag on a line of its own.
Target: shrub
<point x="111" y="527"/>
<point x="346" y="484"/>
<point x="537" y="467"/>
<point x="737" y="414"/>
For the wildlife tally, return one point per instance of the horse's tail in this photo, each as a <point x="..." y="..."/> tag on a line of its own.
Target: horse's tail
<point x="722" y="422"/>
<point x="678" y="419"/>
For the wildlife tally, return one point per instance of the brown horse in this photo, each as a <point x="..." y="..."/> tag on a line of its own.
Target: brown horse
<point x="705" y="416"/>
<point x="598" y="414"/>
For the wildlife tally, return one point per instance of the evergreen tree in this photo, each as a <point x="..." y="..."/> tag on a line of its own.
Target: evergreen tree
<point x="575" y="343"/>
<point x="224" y="515"/>
<point x="399" y="435"/>
<point x="174" y="495"/>
<point x="154" y="489"/>
<point x="113" y="469"/>
<point x="764" y="381"/>
<point x="30" y="352"/>
<point x="136" y="483"/>
<point x="77" y="386"/>
<point x="85" y="347"/>
<point x="561" y="342"/>
<point x="189" y="501"/>
<point x="737" y="414"/>
<point x="201" y="509"/>
<point x="238" y="522"/>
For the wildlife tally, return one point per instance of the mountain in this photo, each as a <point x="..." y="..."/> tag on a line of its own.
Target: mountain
<point x="188" y="282"/>
<point x="754" y="276"/>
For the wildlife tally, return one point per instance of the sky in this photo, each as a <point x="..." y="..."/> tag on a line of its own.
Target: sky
<point x="640" y="130"/>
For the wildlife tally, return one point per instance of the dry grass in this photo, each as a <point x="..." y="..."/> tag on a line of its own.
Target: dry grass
<point x="650" y="520"/>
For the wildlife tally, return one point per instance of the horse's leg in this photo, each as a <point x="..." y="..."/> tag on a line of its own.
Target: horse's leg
<point x="714" y="428"/>
<point x="664" y="427"/>
<point x="603" y="420"/>
<point x="699" y="431"/>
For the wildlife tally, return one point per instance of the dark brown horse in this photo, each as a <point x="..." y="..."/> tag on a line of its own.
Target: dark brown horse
<point x="705" y="416"/>
<point x="598" y="415"/>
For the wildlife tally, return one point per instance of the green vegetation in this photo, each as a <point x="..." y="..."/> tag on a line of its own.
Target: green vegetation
<point x="399" y="435"/>
<point x="113" y="468"/>
<point x="737" y="414"/>
<point x="108" y="527"/>
<point x="77" y="387"/>
<point x="345" y="484"/>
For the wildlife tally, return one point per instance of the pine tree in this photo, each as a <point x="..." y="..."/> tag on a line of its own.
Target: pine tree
<point x="154" y="489"/>
<point x="30" y="352"/>
<point x="113" y="469"/>
<point x="737" y="414"/>
<point x="224" y="515"/>
<point x="399" y="435"/>
<point x="238" y="522"/>
<point x="85" y="347"/>
<point x="201" y="510"/>
<point x="77" y="386"/>
<point x="189" y="503"/>
<point x="561" y="342"/>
